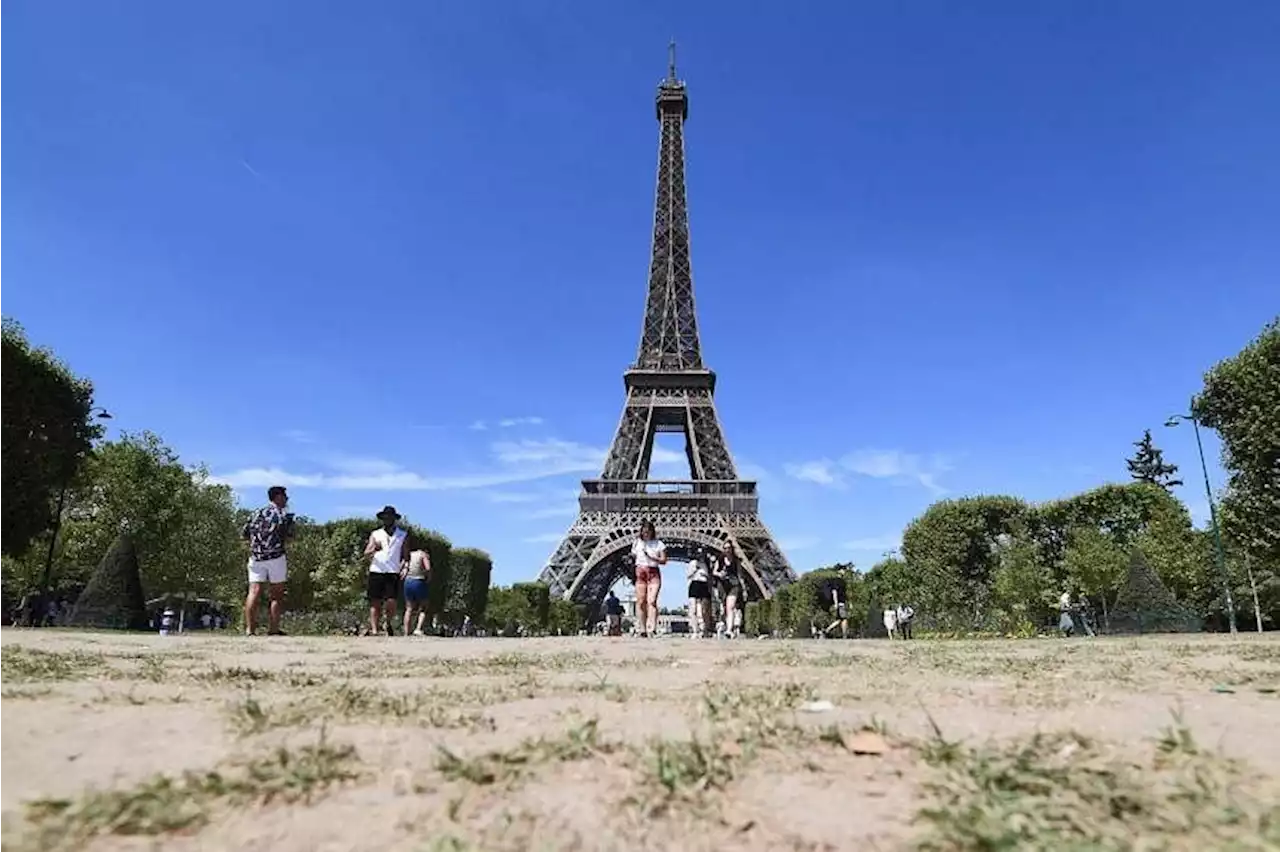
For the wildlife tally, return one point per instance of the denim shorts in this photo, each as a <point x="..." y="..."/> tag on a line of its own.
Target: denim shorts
<point x="415" y="589"/>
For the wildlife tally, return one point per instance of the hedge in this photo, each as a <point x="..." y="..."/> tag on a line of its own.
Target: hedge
<point x="470" y="571"/>
<point x="113" y="599"/>
<point x="538" y="596"/>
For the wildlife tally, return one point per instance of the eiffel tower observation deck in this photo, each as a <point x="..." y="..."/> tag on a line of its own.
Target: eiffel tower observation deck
<point x="668" y="389"/>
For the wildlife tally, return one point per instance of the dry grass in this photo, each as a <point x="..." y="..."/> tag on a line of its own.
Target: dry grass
<point x="567" y="744"/>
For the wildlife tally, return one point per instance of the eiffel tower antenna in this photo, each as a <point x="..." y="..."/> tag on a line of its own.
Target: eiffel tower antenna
<point x="669" y="389"/>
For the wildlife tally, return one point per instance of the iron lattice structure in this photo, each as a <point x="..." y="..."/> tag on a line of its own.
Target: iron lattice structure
<point x="668" y="390"/>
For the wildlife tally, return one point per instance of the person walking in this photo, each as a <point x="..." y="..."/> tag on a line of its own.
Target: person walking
<point x="834" y="601"/>
<point x="267" y="531"/>
<point x="416" y="576"/>
<point x="727" y="574"/>
<point x="613" y="614"/>
<point x="387" y="547"/>
<point x="1065" y="624"/>
<point x="699" y="596"/>
<point x="649" y="555"/>
<point x="906" y="615"/>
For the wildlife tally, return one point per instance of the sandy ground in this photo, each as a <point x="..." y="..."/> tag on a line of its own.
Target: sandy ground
<point x="593" y="743"/>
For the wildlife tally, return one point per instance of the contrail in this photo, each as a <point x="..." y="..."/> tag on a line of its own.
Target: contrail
<point x="250" y="169"/>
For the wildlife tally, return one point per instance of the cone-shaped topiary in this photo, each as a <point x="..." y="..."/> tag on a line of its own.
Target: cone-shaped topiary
<point x="113" y="600"/>
<point x="1145" y="604"/>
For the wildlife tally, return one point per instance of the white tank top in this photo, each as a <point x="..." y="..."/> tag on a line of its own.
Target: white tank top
<point x="387" y="559"/>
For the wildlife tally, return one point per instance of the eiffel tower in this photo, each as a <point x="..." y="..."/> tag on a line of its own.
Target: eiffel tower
<point x="668" y="390"/>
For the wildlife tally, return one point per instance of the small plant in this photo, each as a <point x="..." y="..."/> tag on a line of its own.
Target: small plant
<point x="19" y="665"/>
<point x="165" y="803"/>
<point x="578" y="743"/>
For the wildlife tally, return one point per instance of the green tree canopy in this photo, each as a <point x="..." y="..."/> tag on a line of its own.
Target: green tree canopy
<point x="182" y="525"/>
<point x="954" y="549"/>
<point x="46" y="433"/>
<point x="1241" y="401"/>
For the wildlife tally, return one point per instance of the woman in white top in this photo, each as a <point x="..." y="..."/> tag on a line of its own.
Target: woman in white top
<point x="699" y="596"/>
<point x="649" y="555"/>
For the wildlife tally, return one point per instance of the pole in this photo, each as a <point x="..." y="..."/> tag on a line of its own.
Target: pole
<point x="1217" y="536"/>
<point x="53" y="541"/>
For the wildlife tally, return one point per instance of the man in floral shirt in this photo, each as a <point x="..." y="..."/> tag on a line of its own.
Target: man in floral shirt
<point x="266" y="531"/>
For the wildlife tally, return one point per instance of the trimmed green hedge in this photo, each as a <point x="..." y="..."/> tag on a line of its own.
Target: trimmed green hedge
<point x="470" y="571"/>
<point x="113" y="600"/>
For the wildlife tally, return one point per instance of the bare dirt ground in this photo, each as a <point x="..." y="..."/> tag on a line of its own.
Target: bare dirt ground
<point x="222" y="742"/>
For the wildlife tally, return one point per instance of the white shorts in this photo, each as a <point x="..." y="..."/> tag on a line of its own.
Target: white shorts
<point x="268" y="570"/>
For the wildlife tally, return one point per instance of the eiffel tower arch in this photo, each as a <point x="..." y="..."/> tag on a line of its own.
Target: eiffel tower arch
<point x="668" y="389"/>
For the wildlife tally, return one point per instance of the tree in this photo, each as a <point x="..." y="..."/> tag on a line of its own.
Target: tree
<point x="183" y="526"/>
<point x="1095" y="565"/>
<point x="1148" y="464"/>
<point x="1021" y="584"/>
<point x="565" y="618"/>
<point x="1241" y="401"/>
<point x="953" y="549"/>
<point x="1145" y="605"/>
<point x="114" y="599"/>
<point x="539" y="597"/>
<point x="508" y="611"/>
<point x="47" y="431"/>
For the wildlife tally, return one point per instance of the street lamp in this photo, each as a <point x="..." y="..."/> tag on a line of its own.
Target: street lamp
<point x="1213" y="514"/>
<point x="97" y="414"/>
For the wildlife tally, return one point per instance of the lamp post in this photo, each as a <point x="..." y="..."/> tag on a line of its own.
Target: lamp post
<point x="1213" y="515"/>
<point x="97" y="414"/>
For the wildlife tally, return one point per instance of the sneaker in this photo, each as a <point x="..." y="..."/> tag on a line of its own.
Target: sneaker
<point x="418" y="633"/>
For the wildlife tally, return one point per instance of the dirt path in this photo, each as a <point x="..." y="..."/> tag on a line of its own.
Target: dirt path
<point x="577" y="743"/>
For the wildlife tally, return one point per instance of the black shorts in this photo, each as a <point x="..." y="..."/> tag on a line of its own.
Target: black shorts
<point x="699" y="590"/>
<point x="382" y="587"/>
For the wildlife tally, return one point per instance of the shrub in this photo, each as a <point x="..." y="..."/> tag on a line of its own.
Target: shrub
<point x="538" y="597"/>
<point x="113" y="599"/>
<point x="1145" y="604"/>
<point x="469" y="575"/>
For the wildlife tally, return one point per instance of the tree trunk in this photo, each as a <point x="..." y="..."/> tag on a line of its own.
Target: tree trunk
<point x="1253" y="588"/>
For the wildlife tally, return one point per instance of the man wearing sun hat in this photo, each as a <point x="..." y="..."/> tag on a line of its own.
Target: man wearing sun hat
<point x="387" y="546"/>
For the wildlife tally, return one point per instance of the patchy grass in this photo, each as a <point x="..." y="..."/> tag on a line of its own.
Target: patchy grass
<point x="167" y="804"/>
<point x="1068" y="791"/>
<point x="501" y="766"/>
<point x="352" y="703"/>
<point x="21" y="665"/>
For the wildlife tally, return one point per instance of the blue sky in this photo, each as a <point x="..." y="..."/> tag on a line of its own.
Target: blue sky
<point x="396" y="252"/>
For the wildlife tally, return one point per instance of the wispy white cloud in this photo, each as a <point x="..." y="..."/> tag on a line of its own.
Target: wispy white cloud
<point x="896" y="465"/>
<point x="823" y="472"/>
<point x="892" y="465"/>
<point x="505" y="423"/>
<point x="514" y="461"/>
